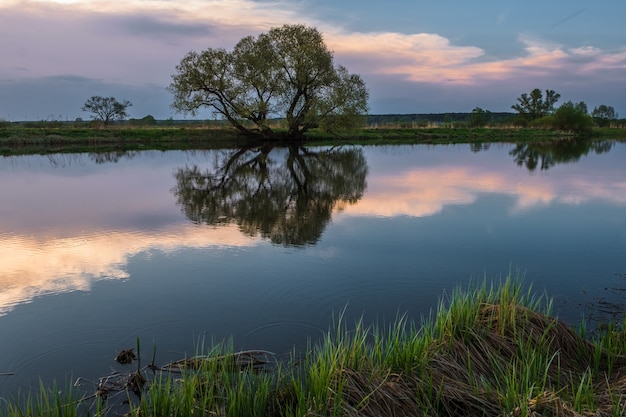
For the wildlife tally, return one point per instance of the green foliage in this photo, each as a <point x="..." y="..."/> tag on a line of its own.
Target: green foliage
<point x="534" y="106"/>
<point x="569" y="117"/>
<point x="572" y="117"/>
<point x="286" y="73"/>
<point x="478" y="117"/>
<point x="106" y="109"/>
<point x="149" y="120"/>
<point x="603" y="115"/>
<point x="581" y="107"/>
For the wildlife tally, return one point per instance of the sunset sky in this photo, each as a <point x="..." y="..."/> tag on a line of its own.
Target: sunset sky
<point x="415" y="56"/>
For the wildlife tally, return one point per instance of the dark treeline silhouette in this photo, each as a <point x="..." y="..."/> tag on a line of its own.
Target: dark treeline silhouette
<point x="380" y="119"/>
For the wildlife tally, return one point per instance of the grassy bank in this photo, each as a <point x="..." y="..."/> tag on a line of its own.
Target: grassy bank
<point x="53" y="138"/>
<point x="45" y="140"/>
<point x="486" y="351"/>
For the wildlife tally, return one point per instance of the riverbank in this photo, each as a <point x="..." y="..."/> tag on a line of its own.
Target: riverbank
<point x="486" y="351"/>
<point x="19" y="140"/>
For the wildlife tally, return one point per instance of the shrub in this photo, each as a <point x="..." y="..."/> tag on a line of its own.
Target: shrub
<point x="568" y="117"/>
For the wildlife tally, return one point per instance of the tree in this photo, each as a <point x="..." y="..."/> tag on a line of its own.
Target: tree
<point x="571" y="116"/>
<point x="603" y="114"/>
<point x="148" y="120"/>
<point x="534" y="106"/>
<point x="106" y="109"/>
<point x="581" y="106"/>
<point x="287" y="73"/>
<point x="478" y="117"/>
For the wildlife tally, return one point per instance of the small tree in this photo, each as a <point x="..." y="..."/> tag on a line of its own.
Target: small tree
<point x="287" y="73"/>
<point x="533" y="106"/>
<point x="572" y="117"/>
<point x="478" y="117"/>
<point x="106" y="109"/>
<point x="603" y="114"/>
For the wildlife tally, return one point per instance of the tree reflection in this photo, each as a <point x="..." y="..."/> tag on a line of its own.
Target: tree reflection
<point x="286" y="194"/>
<point x="547" y="155"/>
<point x="112" y="157"/>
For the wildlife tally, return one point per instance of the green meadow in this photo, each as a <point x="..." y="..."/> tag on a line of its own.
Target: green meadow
<point x="53" y="137"/>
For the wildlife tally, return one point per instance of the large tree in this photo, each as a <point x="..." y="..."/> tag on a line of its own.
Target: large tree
<point x="286" y="73"/>
<point x="533" y="106"/>
<point x="106" y="109"/>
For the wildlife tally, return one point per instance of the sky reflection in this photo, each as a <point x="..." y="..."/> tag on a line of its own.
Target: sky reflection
<point x="423" y="192"/>
<point x="37" y="265"/>
<point x="61" y="228"/>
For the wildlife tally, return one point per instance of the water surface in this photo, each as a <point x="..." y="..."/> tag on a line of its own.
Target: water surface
<point x="268" y="246"/>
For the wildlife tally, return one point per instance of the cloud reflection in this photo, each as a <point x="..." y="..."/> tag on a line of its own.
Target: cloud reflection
<point x="70" y="257"/>
<point x="37" y="265"/>
<point x="421" y="192"/>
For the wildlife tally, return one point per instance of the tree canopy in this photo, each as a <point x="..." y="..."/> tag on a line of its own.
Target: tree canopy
<point x="106" y="109"/>
<point x="571" y="116"/>
<point x="533" y="106"/>
<point x="603" y="114"/>
<point x="287" y="73"/>
<point x="478" y="117"/>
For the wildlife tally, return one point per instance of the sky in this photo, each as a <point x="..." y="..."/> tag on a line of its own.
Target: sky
<point x="414" y="56"/>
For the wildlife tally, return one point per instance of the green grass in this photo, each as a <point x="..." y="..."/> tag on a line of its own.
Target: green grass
<point x="488" y="350"/>
<point x="51" y="137"/>
<point x="52" y="402"/>
<point x="44" y="140"/>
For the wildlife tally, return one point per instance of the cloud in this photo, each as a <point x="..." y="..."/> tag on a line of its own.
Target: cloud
<point x="151" y="26"/>
<point x="430" y="73"/>
<point x="417" y="56"/>
<point x="430" y="58"/>
<point x="140" y="44"/>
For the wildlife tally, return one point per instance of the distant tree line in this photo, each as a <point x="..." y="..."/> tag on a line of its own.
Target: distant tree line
<point x="424" y="119"/>
<point x="533" y="109"/>
<point x="537" y="110"/>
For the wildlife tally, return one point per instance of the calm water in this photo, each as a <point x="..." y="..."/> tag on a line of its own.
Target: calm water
<point x="267" y="246"/>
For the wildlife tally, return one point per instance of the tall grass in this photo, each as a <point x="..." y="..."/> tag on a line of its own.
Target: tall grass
<point x="51" y="402"/>
<point x="488" y="350"/>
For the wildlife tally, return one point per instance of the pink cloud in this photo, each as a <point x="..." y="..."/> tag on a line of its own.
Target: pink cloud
<point x="140" y="44"/>
<point x="434" y="59"/>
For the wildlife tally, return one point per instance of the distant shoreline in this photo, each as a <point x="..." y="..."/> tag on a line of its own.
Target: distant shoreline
<point x="19" y="140"/>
